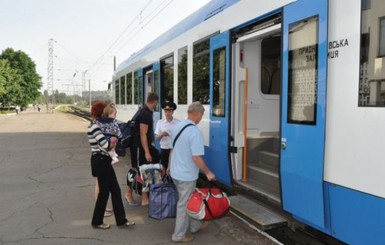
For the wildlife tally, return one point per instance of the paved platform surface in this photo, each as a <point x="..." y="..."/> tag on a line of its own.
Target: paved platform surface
<point x="47" y="191"/>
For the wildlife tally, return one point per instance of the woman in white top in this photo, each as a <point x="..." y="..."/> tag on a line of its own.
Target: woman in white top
<point x="163" y="129"/>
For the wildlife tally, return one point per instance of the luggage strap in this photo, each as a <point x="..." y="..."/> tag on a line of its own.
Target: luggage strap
<point x="225" y="212"/>
<point x="177" y="136"/>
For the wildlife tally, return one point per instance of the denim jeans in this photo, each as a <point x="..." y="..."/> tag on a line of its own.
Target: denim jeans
<point x="183" y="222"/>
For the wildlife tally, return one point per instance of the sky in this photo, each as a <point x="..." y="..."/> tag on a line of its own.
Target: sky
<point x="86" y="34"/>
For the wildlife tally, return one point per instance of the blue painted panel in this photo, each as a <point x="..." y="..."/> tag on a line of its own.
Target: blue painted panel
<point x="217" y="154"/>
<point x="303" y="158"/>
<point x="357" y="218"/>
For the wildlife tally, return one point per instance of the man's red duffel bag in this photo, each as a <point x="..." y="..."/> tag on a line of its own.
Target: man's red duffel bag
<point x="208" y="203"/>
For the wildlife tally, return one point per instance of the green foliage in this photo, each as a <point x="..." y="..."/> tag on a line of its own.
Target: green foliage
<point x="10" y="84"/>
<point x="19" y="78"/>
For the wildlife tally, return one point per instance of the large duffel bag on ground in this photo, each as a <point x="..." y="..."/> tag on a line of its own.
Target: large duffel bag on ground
<point x="208" y="203"/>
<point x="163" y="200"/>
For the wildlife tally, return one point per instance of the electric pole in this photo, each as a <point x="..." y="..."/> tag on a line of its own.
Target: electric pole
<point x="50" y="90"/>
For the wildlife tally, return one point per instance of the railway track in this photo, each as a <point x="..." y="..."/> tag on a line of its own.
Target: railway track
<point x="80" y="112"/>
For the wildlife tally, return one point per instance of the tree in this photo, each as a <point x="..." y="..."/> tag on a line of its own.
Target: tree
<point x="29" y="84"/>
<point x="10" y="89"/>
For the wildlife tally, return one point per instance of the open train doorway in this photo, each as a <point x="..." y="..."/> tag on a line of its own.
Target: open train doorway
<point x="256" y="95"/>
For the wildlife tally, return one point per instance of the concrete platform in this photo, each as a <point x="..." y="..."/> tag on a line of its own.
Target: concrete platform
<point x="47" y="191"/>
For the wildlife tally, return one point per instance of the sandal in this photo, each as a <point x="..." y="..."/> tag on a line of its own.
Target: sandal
<point x="107" y="214"/>
<point x="133" y="203"/>
<point x="128" y="224"/>
<point x="102" y="226"/>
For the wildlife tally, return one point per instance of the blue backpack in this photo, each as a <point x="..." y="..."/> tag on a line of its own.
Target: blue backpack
<point x="128" y="130"/>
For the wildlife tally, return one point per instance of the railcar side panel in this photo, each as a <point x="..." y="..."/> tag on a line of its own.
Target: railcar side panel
<point x="355" y="135"/>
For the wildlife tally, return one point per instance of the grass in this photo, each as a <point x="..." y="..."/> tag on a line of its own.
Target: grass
<point x="6" y="111"/>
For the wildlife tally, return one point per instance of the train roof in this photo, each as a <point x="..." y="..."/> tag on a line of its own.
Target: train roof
<point x="209" y="10"/>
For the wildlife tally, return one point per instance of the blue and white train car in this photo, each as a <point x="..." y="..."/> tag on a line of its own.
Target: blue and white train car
<point x="294" y="93"/>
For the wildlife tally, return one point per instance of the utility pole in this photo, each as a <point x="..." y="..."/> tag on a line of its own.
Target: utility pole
<point x="89" y="88"/>
<point x="50" y="89"/>
<point x="84" y="86"/>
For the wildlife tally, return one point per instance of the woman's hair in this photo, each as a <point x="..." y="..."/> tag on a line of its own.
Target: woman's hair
<point x="97" y="109"/>
<point x="109" y="109"/>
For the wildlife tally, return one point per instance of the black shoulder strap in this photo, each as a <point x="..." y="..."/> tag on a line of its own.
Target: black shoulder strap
<point x="131" y="122"/>
<point x="177" y="136"/>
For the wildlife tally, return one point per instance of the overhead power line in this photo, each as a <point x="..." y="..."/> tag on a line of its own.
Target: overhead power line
<point x="126" y="36"/>
<point x="119" y="37"/>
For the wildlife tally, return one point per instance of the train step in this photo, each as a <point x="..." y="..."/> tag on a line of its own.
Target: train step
<point x="262" y="217"/>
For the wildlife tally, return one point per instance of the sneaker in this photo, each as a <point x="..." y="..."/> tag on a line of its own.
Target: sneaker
<point x="187" y="238"/>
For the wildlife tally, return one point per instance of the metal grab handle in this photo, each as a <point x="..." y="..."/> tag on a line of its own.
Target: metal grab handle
<point x="283" y="143"/>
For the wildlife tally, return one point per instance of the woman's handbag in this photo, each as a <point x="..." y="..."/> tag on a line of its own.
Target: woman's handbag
<point x="208" y="203"/>
<point x="163" y="200"/>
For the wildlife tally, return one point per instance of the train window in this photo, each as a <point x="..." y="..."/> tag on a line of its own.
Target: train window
<point x="129" y="88"/>
<point x="271" y="65"/>
<point x="365" y="4"/>
<point x="138" y="88"/>
<point x="302" y="82"/>
<point x="123" y="90"/>
<point x="156" y="82"/>
<point x="382" y="36"/>
<point x="372" y="62"/>
<point x="219" y="85"/>
<point x="117" y="92"/>
<point x="167" y="75"/>
<point x="182" y="76"/>
<point x="201" y="72"/>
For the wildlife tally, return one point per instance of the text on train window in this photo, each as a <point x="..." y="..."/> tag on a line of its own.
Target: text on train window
<point x="372" y="57"/>
<point x="302" y="82"/>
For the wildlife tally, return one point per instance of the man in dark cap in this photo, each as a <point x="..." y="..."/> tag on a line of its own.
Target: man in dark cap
<point x="163" y="129"/>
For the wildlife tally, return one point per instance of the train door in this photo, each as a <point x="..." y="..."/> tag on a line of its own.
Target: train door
<point x="148" y="81"/>
<point x="303" y="109"/>
<point x="150" y="86"/>
<point x="219" y="107"/>
<point x="256" y="88"/>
